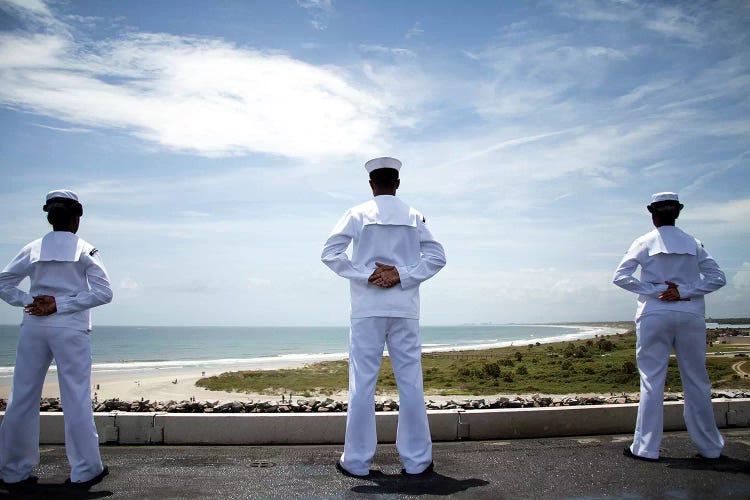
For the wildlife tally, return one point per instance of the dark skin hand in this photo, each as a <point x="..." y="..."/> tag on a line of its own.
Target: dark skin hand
<point x="385" y="276"/>
<point x="43" y="305"/>
<point x="671" y="294"/>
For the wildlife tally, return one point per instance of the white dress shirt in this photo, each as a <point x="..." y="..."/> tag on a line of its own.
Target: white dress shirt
<point x="669" y="254"/>
<point x="62" y="265"/>
<point x="385" y="230"/>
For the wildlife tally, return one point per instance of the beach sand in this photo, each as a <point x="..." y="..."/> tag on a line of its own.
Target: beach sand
<point x="156" y="385"/>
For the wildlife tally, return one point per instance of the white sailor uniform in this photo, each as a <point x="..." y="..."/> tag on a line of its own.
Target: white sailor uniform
<point x="388" y="231"/>
<point x="64" y="266"/>
<point x="669" y="254"/>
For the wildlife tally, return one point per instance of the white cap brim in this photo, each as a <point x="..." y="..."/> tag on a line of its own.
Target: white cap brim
<point x="664" y="196"/>
<point x="62" y="193"/>
<point x="384" y="162"/>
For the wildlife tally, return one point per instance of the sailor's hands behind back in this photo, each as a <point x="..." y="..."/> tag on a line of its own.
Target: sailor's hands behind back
<point x="671" y="294"/>
<point x="43" y="305"/>
<point x="384" y="276"/>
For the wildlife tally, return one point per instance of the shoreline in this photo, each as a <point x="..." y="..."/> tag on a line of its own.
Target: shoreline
<point x="158" y="383"/>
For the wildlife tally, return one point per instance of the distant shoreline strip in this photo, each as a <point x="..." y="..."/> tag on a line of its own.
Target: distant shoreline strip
<point x="305" y="358"/>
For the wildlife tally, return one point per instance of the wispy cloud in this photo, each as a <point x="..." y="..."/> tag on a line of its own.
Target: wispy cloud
<point x="195" y="95"/>
<point x="695" y="23"/>
<point x="77" y="130"/>
<point x="729" y="216"/>
<point x="27" y="7"/>
<point x="129" y="284"/>
<point x="394" y="51"/>
<point x="415" y="30"/>
<point x="675" y="22"/>
<point x="320" y="10"/>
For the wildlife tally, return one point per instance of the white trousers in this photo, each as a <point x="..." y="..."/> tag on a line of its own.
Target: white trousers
<point x="658" y="333"/>
<point x="366" y="341"/>
<point x="19" y="432"/>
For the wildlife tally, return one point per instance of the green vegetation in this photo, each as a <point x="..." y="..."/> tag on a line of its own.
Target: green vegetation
<point x="323" y="378"/>
<point x="729" y="321"/>
<point x="599" y="365"/>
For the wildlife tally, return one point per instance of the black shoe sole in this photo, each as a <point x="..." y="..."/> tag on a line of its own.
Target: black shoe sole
<point x="345" y="472"/>
<point x="29" y="481"/>
<point x="430" y="468"/>
<point x="91" y="482"/>
<point x="630" y="454"/>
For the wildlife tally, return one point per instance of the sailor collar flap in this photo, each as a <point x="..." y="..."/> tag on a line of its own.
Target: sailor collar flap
<point x="669" y="239"/>
<point x="58" y="246"/>
<point x="388" y="211"/>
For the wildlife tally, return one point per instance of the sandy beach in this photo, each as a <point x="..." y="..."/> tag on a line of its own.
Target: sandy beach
<point x="178" y="383"/>
<point x="157" y="385"/>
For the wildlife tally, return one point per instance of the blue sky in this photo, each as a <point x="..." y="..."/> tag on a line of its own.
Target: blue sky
<point x="215" y="144"/>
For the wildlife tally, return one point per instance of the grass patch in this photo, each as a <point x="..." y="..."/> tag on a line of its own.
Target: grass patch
<point x="599" y="365"/>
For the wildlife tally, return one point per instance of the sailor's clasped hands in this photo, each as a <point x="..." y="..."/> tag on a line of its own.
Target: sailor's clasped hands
<point x="384" y="276"/>
<point x="43" y="305"/>
<point x="671" y="294"/>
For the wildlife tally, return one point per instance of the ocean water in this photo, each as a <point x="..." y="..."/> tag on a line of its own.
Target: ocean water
<point x="117" y="348"/>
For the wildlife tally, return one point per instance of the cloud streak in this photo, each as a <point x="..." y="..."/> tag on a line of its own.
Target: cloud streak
<point x="193" y="95"/>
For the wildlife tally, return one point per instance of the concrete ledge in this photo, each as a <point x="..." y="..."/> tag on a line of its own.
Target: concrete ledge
<point x="329" y="428"/>
<point x="252" y="428"/>
<point x="52" y="427"/>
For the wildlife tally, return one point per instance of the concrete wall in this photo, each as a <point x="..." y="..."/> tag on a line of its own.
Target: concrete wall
<point x="329" y="428"/>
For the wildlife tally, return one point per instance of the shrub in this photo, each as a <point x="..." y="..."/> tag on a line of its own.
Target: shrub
<point x="569" y="351"/>
<point x="605" y="345"/>
<point x="582" y="352"/>
<point x="492" y="370"/>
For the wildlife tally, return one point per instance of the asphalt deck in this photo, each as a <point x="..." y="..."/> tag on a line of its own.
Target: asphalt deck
<point x="571" y="467"/>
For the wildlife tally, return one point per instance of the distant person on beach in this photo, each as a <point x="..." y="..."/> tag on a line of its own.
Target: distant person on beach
<point x="393" y="252"/>
<point x="676" y="272"/>
<point x="67" y="278"/>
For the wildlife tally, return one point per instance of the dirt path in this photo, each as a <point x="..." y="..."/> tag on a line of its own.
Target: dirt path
<point x="737" y="367"/>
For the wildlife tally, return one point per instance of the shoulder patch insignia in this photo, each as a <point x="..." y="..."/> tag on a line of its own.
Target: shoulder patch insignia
<point x="93" y="251"/>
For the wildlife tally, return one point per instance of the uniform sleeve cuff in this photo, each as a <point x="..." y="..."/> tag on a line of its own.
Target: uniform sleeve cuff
<point x="61" y="304"/>
<point x="403" y="275"/>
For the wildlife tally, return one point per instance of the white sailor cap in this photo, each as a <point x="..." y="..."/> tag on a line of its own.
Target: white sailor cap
<point x="62" y="193"/>
<point x="664" y="196"/>
<point x="384" y="162"/>
<point x="63" y="198"/>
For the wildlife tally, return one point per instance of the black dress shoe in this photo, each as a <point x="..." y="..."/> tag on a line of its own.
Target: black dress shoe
<point x="428" y="470"/>
<point x="630" y="454"/>
<point x="29" y="481"/>
<point x="91" y="482"/>
<point x="709" y="459"/>
<point x="345" y="472"/>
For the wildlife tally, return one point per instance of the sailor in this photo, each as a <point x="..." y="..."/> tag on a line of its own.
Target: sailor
<point x="67" y="279"/>
<point x="393" y="253"/>
<point x="676" y="272"/>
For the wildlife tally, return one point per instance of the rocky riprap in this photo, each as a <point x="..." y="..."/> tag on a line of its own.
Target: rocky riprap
<point x="313" y="405"/>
